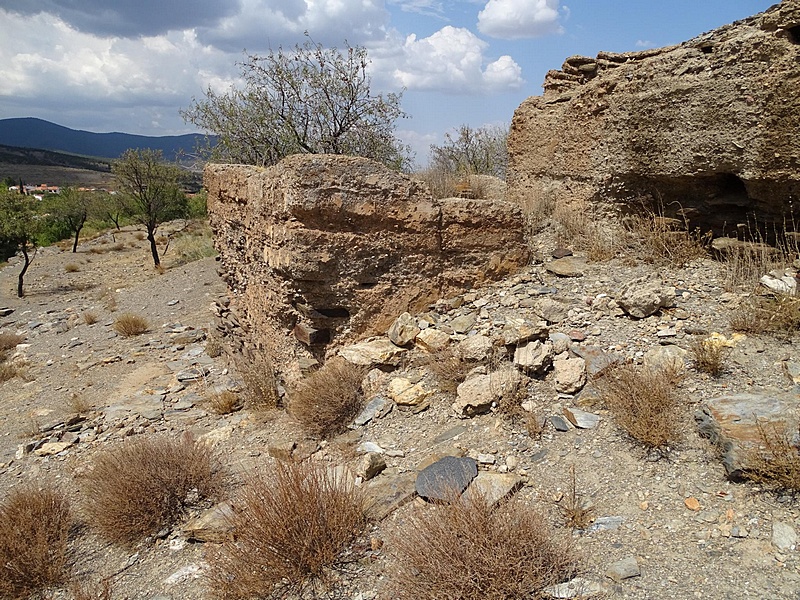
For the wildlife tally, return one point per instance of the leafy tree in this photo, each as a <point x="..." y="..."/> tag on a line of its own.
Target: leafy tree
<point x="149" y="191"/>
<point x="481" y="151"/>
<point x="19" y="226"/>
<point x="71" y="208"/>
<point x="308" y="100"/>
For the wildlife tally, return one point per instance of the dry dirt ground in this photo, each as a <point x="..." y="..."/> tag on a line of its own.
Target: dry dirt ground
<point x="128" y="387"/>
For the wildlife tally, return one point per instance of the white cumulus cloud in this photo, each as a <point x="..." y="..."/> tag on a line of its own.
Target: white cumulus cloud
<point x="452" y="60"/>
<point x="515" y="19"/>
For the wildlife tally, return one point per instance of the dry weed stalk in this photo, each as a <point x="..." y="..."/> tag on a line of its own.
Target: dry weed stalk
<point x="129" y="324"/>
<point x="643" y="403"/>
<point x="327" y="401"/>
<point x="34" y="534"/>
<point x="449" y="369"/>
<point x="468" y="550"/>
<point x="260" y="387"/>
<point x="294" y="527"/>
<point x="659" y="237"/>
<point x="776" y="463"/>
<point x="142" y="486"/>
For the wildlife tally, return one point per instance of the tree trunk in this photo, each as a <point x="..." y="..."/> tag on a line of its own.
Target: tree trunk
<point x="21" y="278"/>
<point x="151" y="236"/>
<point x="75" y="243"/>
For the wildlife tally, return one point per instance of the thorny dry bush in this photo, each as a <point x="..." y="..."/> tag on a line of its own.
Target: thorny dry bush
<point x="577" y="512"/>
<point x="329" y="399"/>
<point x="34" y="534"/>
<point x="129" y="324"/>
<point x="448" y="367"/>
<point x="778" y="313"/>
<point x="142" y="486"/>
<point x="643" y="402"/>
<point x="294" y="528"/>
<point x="775" y="464"/>
<point x="467" y="550"/>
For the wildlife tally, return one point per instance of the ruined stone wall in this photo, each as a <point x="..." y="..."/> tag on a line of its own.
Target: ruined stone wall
<point x="320" y="249"/>
<point x="711" y="126"/>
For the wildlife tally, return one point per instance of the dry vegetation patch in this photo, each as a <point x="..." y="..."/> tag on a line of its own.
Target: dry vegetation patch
<point x="779" y="313"/>
<point x="225" y="402"/>
<point x="294" y="525"/>
<point x="468" y="551"/>
<point x="129" y="324"/>
<point x="34" y="534"/>
<point x="644" y="404"/>
<point x="327" y="401"/>
<point x="142" y="486"/>
<point x="775" y="464"/>
<point x="709" y="356"/>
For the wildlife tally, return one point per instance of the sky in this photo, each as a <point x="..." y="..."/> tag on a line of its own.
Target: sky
<point x="131" y="65"/>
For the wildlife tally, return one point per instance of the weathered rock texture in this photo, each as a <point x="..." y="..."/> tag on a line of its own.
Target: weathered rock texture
<point x="324" y="249"/>
<point x="711" y="125"/>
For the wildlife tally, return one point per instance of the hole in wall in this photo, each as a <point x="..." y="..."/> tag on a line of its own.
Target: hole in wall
<point x="707" y="49"/>
<point x="793" y="34"/>
<point x="336" y="312"/>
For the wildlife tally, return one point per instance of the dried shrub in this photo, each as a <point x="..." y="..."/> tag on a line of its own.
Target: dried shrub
<point x="72" y="268"/>
<point x="9" y="341"/>
<point x="102" y="590"/>
<point x="117" y="247"/>
<point x="327" y="401"/>
<point x="643" y="403"/>
<point x="775" y="464"/>
<point x="709" y="356"/>
<point x="260" y="388"/>
<point x="78" y="404"/>
<point x="468" y="551"/>
<point x="224" y="402"/>
<point x="140" y="235"/>
<point x="214" y="347"/>
<point x="778" y="314"/>
<point x="129" y="324"/>
<point x="294" y="527"/>
<point x="658" y="237"/>
<point x="90" y="318"/>
<point x="98" y="249"/>
<point x="581" y="226"/>
<point x="449" y="369"/>
<point x="7" y="372"/>
<point x="34" y="533"/>
<point x="143" y="486"/>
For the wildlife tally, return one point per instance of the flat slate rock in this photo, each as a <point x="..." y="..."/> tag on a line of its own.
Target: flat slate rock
<point x="447" y="476"/>
<point x="384" y="494"/>
<point x="731" y="423"/>
<point x="568" y="266"/>
<point x="493" y="487"/>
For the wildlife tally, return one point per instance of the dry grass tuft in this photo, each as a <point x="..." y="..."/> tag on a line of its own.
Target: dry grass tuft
<point x="225" y="402"/>
<point x="294" y="525"/>
<point x="327" y="401"/>
<point x="78" y="404"/>
<point x="709" y="356"/>
<point x="577" y="513"/>
<point x="468" y="551"/>
<point x="72" y="267"/>
<point x="143" y="486"/>
<point x="779" y="314"/>
<point x="90" y="318"/>
<point x="658" y="237"/>
<point x="7" y="372"/>
<point x="643" y="403"/>
<point x="129" y="324"/>
<point x="580" y="226"/>
<point x="34" y="533"/>
<point x="102" y="590"/>
<point x="214" y="346"/>
<point x="775" y="464"/>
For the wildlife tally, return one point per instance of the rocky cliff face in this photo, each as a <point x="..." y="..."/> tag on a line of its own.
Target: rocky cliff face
<point x="711" y="126"/>
<point x="322" y="249"/>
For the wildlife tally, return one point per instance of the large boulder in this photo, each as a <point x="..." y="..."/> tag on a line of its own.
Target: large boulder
<point x="333" y="248"/>
<point x="709" y="127"/>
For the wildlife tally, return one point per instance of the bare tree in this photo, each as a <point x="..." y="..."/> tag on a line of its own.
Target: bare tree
<point x="481" y="151"/>
<point x="307" y="100"/>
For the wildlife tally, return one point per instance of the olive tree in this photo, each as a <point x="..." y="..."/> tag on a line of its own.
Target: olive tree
<point x="308" y="100"/>
<point x="481" y="151"/>
<point x="19" y="226"/>
<point x="149" y="190"/>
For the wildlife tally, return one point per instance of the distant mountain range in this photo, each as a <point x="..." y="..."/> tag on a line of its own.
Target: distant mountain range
<point x="29" y="132"/>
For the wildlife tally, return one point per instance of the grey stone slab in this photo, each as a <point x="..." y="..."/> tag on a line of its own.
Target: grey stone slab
<point x="446" y="478"/>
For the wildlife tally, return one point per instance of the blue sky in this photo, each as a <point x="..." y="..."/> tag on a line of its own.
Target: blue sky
<point x="130" y="65"/>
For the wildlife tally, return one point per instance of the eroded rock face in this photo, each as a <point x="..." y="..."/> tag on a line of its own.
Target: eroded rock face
<point x="321" y="249"/>
<point x="711" y="126"/>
